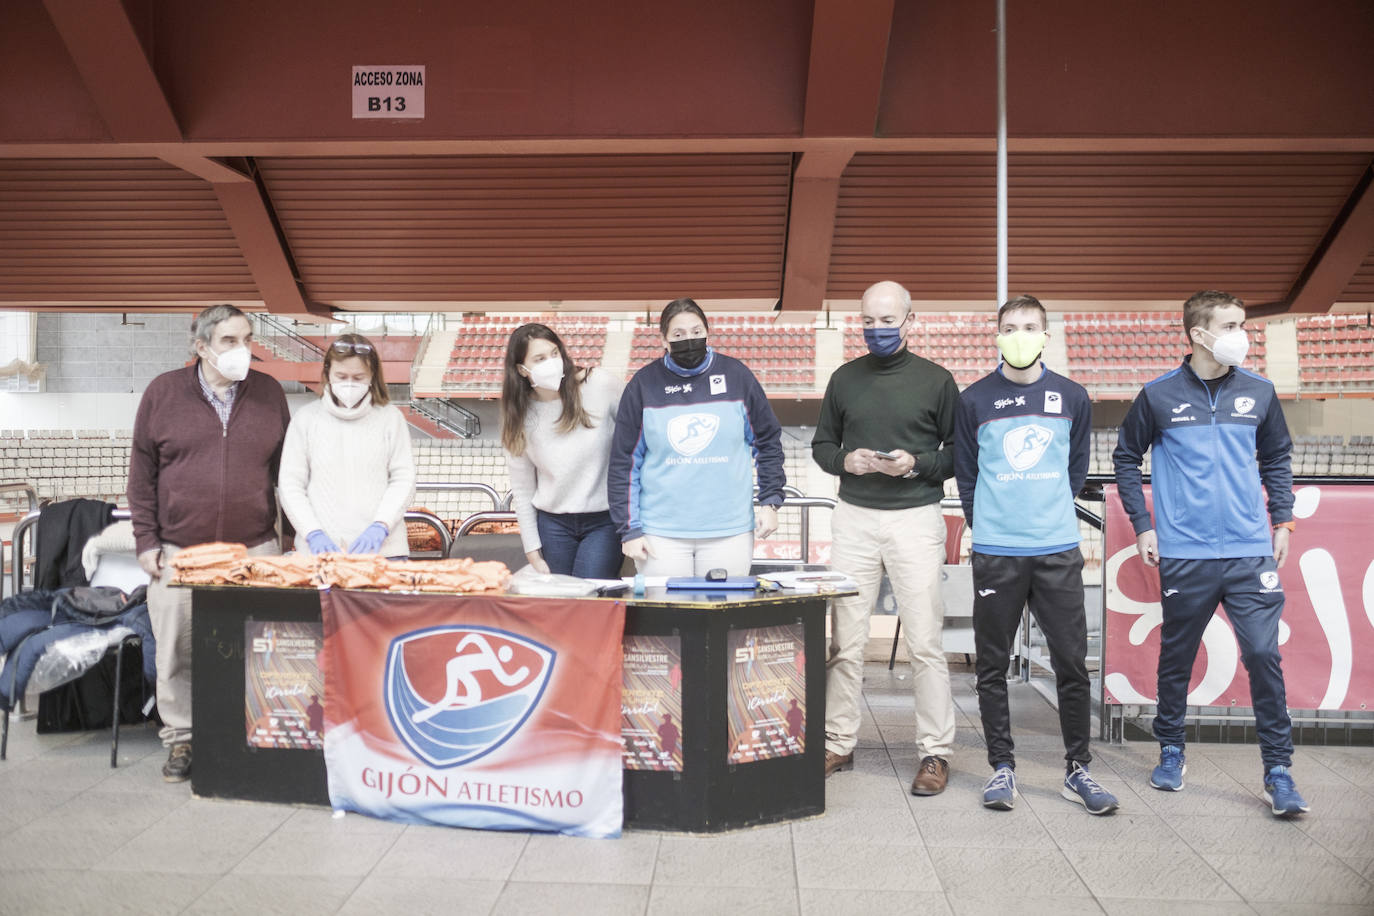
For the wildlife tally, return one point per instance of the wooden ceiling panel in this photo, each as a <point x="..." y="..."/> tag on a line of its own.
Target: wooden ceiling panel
<point x="127" y="231"/>
<point x="537" y="227"/>
<point x="1087" y="226"/>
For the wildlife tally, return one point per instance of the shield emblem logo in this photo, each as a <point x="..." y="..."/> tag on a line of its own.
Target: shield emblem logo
<point x="692" y="432"/>
<point x="1024" y="446"/>
<point x="455" y="693"/>
<point x="1245" y="405"/>
<point x="1269" y="579"/>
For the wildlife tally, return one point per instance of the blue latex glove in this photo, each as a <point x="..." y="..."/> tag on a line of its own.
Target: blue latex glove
<point x="370" y="539"/>
<point x="320" y="542"/>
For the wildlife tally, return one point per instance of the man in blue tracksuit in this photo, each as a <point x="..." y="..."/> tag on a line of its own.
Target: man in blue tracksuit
<point x="1217" y="434"/>
<point x="1022" y="439"/>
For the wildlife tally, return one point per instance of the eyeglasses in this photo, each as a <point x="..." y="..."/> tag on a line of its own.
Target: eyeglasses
<point x="344" y="348"/>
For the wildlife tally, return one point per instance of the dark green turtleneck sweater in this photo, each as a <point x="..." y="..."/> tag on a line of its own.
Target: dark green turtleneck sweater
<point x="884" y="403"/>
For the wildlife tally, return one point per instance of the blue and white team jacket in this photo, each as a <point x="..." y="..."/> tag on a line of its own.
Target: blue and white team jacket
<point x="1020" y="456"/>
<point x="1210" y="456"/>
<point x="686" y="444"/>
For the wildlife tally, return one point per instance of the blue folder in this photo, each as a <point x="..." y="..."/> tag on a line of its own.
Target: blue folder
<point x="702" y="584"/>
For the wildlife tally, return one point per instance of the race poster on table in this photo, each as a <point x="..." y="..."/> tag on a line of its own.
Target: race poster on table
<point x="651" y="703"/>
<point x="767" y="686"/>
<point x="283" y="693"/>
<point x="489" y="712"/>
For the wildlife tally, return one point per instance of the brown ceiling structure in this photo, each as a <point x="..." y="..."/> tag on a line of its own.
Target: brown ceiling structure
<point x="159" y="154"/>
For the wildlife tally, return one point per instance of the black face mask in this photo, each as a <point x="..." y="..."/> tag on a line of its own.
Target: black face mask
<point x="688" y="352"/>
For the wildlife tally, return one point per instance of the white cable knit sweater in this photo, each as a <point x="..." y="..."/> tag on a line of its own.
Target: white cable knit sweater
<point x="564" y="472"/>
<point x="343" y="469"/>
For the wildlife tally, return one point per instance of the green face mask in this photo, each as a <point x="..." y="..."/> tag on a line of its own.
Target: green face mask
<point x="1021" y="348"/>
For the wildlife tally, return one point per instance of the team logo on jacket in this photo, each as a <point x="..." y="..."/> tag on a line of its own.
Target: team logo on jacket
<point x="1270" y="580"/>
<point x="456" y="693"/>
<point x="692" y="432"/>
<point x="1245" y="405"/>
<point x="1024" y="446"/>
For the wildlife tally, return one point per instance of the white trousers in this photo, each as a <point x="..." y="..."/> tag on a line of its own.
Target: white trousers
<point x="698" y="556"/>
<point x="169" y="612"/>
<point x="910" y="545"/>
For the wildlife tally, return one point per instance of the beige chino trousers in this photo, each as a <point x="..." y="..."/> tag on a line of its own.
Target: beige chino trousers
<point x="169" y="612"/>
<point x="910" y="545"/>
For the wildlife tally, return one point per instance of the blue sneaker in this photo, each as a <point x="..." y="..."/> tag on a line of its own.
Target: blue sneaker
<point x="1000" y="792"/>
<point x="1169" y="774"/>
<point x="1281" y="794"/>
<point x="1082" y="788"/>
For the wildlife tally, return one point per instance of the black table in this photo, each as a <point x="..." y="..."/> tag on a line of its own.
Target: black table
<point x="709" y="793"/>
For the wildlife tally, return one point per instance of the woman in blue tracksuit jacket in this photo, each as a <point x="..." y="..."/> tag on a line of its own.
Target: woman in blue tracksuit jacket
<point x="1217" y="435"/>
<point x="692" y="428"/>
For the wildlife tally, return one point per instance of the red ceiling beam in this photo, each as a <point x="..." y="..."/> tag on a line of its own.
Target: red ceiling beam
<point x="844" y="79"/>
<point x="810" y="232"/>
<point x="249" y="212"/>
<point x="1338" y="257"/>
<point x="112" y="64"/>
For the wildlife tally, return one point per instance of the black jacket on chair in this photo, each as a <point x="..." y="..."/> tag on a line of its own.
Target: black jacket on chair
<point x="63" y="529"/>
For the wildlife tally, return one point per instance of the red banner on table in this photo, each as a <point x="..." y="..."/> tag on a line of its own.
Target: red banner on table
<point x="1326" y="636"/>
<point x="488" y="712"/>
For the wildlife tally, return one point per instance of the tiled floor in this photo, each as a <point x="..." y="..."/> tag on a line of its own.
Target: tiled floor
<point x="78" y="837"/>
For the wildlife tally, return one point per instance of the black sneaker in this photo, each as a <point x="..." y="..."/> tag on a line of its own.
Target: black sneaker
<point x="178" y="765"/>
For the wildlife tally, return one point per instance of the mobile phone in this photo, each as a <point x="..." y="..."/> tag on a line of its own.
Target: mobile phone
<point x="888" y="456"/>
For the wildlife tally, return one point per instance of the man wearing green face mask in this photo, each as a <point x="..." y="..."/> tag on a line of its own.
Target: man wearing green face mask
<point x="1021" y="450"/>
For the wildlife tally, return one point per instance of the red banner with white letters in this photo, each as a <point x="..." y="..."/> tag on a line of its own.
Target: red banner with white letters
<point x="1326" y="635"/>
<point x="473" y="711"/>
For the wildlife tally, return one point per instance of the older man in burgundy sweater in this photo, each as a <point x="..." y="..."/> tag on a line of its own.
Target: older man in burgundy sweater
<point x="207" y="441"/>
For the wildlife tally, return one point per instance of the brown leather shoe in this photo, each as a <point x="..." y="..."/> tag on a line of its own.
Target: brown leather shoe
<point x="835" y="762"/>
<point x="178" y="765"/>
<point x="932" y="777"/>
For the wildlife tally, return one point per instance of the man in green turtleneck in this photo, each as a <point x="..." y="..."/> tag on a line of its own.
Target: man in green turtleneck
<point x="887" y="431"/>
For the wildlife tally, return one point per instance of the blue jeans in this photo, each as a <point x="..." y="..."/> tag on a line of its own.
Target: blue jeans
<point x="583" y="544"/>
<point x="1192" y="589"/>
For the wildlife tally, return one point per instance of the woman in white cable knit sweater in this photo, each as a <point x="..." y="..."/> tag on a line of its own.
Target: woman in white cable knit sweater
<point x="347" y="474"/>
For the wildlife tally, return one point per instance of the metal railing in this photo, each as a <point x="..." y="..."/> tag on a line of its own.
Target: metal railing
<point x="283" y="340"/>
<point x="498" y="501"/>
<point x="450" y="415"/>
<point x="433" y="521"/>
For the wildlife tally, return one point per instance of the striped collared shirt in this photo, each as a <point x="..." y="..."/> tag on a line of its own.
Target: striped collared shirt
<point x="222" y="407"/>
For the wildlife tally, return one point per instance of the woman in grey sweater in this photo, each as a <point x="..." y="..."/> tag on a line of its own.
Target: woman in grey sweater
<point x="556" y="426"/>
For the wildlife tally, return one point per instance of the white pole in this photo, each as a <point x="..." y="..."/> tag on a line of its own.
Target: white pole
<point x="1001" y="151"/>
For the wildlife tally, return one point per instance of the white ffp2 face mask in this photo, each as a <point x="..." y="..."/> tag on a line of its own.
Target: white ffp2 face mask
<point x="350" y="394"/>
<point x="1230" y="348"/>
<point x="232" y="363"/>
<point x="546" y="374"/>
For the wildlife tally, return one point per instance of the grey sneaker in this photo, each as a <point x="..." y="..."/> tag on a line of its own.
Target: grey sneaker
<point x="1081" y="788"/>
<point x="1000" y="792"/>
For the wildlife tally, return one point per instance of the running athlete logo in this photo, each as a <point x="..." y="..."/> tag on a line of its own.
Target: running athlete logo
<point x="456" y="693"/>
<point x="692" y="432"/>
<point x="1024" y="446"/>
<point x="1270" y="580"/>
<point x="1245" y="405"/>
